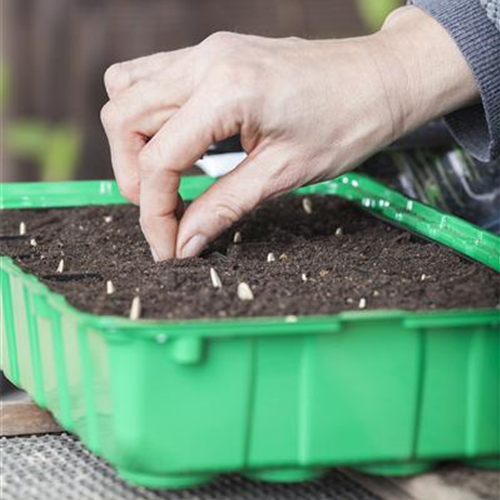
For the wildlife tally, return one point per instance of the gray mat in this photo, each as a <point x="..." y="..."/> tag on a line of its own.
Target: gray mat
<point x="59" y="467"/>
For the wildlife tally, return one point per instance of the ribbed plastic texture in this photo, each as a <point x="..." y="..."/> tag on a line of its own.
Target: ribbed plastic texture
<point x="176" y="403"/>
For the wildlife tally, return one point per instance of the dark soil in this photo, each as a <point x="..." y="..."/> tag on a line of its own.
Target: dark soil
<point x="370" y="262"/>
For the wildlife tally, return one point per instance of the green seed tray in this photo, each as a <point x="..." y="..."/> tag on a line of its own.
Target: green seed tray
<point x="173" y="404"/>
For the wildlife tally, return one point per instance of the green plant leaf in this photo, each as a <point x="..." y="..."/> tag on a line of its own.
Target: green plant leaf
<point x="60" y="158"/>
<point x="374" y="12"/>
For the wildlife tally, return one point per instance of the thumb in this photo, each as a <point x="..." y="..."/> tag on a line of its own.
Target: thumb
<point x="225" y="202"/>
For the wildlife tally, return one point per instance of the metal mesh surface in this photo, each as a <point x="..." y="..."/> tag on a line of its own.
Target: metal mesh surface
<point x="59" y="467"/>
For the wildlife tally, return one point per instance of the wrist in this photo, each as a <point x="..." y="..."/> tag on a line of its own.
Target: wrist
<point x="422" y="69"/>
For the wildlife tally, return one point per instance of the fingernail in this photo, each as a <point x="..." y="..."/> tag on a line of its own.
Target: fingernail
<point x="194" y="246"/>
<point x="154" y="253"/>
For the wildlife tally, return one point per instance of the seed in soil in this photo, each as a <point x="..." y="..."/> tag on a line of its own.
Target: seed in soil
<point x="60" y="267"/>
<point x="135" y="308"/>
<point x="271" y="257"/>
<point x="110" y="288"/>
<point x="339" y="231"/>
<point x="304" y="277"/>
<point x="423" y="277"/>
<point x="22" y="228"/>
<point x="33" y="242"/>
<point x="307" y="205"/>
<point x="216" y="282"/>
<point x="244" y="292"/>
<point x="108" y="218"/>
<point x="283" y="256"/>
<point x="362" y="303"/>
<point x="237" y="237"/>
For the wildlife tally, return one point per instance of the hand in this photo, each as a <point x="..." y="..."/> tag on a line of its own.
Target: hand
<point x="306" y="111"/>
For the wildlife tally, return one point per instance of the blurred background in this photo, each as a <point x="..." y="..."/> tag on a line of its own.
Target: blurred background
<point x="54" y="54"/>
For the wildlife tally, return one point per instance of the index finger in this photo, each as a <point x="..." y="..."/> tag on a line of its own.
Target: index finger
<point x="174" y="149"/>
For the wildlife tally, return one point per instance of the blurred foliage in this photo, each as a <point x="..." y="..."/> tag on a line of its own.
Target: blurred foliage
<point x="374" y="12"/>
<point x="54" y="148"/>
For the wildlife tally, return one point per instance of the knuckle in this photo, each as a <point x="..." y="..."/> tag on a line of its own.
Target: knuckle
<point x="227" y="211"/>
<point x="221" y="39"/>
<point x="149" y="159"/>
<point x="129" y="190"/>
<point x="111" y="117"/>
<point x="116" y="78"/>
<point x="145" y="223"/>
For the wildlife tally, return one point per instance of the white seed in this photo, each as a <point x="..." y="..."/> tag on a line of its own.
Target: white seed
<point x="22" y="228"/>
<point x="339" y="231"/>
<point x="33" y="242"/>
<point x="108" y="218"/>
<point x="291" y="319"/>
<point x="237" y="237"/>
<point x="376" y="293"/>
<point x="304" y="277"/>
<point x="423" y="277"/>
<point x="244" y="292"/>
<point x="135" y="308"/>
<point x="362" y="303"/>
<point x="60" y="267"/>
<point x="216" y="282"/>
<point x="271" y="257"/>
<point x="307" y="205"/>
<point x="110" y="288"/>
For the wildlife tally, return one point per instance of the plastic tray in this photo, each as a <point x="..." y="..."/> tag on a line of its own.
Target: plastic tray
<point x="175" y="403"/>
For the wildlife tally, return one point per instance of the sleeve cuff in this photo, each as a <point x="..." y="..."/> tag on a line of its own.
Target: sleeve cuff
<point x="477" y="128"/>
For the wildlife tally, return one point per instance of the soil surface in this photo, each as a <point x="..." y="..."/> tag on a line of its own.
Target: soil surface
<point x="316" y="270"/>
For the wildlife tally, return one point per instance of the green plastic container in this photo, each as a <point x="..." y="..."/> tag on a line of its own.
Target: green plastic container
<point x="176" y="403"/>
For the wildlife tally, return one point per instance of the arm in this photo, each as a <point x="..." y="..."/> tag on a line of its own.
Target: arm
<point x="474" y="25"/>
<point x="306" y="111"/>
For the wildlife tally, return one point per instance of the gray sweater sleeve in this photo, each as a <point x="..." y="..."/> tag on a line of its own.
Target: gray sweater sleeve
<point x="475" y="27"/>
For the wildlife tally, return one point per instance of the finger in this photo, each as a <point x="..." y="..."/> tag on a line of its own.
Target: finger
<point x="121" y="76"/>
<point x="226" y="201"/>
<point x="130" y="119"/>
<point x="174" y="149"/>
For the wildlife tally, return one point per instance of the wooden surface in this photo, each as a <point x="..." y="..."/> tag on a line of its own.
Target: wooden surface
<point x="20" y="418"/>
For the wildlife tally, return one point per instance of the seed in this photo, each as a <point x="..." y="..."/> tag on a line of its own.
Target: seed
<point x="307" y="205"/>
<point x="22" y="228"/>
<point x="304" y="277"/>
<point x="349" y="300"/>
<point x="244" y="292"/>
<point x="324" y="272"/>
<point x="110" y="288"/>
<point x="60" y="267"/>
<point x="108" y="218"/>
<point x="423" y="277"/>
<point x="291" y="319"/>
<point x="283" y="256"/>
<point x="376" y="293"/>
<point x="135" y="308"/>
<point x="237" y="237"/>
<point x="80" y="227"/>
<point x="216" y="282"/>
<point x="339" y="231"/>
<point x="33" y="242"/>
<point x="362" y="303"/>
<point x="271" y="257"/>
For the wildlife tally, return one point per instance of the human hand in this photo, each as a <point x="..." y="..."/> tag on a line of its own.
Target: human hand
<point x="306" y="111"/>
